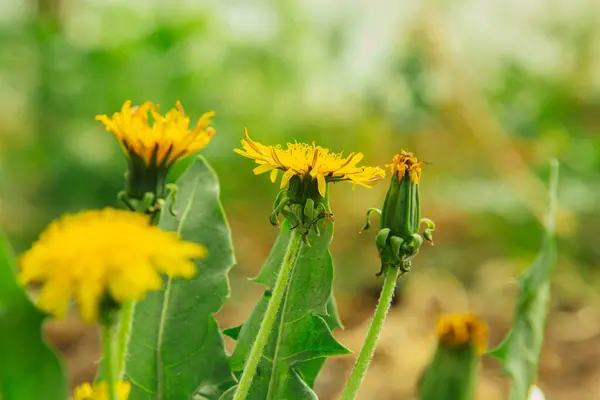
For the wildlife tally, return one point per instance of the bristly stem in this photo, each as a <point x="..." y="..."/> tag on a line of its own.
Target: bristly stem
<point x="366" y="354"/>
<point x="289" y="261"/>
<point x="123" y="335"/>
<point x="109" y="358"/>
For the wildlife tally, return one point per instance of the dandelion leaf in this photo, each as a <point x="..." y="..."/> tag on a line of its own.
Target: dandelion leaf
<point x="301" y="338"/>
<point x="520" y="351"/>
<point x="176" y="350"/>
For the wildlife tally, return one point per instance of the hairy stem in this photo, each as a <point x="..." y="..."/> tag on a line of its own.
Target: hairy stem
<point x="366" y="354"/>
<point x="123" y="335"/>
<point x="109" y="359"/>
<point x="289" y="261"/>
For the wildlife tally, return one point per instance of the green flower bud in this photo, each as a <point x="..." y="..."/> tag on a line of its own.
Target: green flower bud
<point x="399" y="240"/>
<point x="452" y="372"/>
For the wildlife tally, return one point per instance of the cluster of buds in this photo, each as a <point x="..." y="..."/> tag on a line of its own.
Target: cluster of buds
<point x="301" y="204"/>
<point x="399" y="240"/>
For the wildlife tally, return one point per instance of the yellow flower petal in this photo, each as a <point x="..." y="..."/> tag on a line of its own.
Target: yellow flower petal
<point x="92" y="254"/>
<point x="303" y="159"/>
<point x="164" y="141"/>
<point x="406" y="162"/>
<point x="100" y="391"/>
<point x="322" y="185"/>
<point x="273" y="175"/>
<point x="461" y="329"/>
<point x="286" y="178"/>
<point x="262" y="169"/>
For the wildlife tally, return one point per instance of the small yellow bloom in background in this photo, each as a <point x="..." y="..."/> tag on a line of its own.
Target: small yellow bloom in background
<point x="152" y="146"/>
<point x="100" y="391"/>
<point x="462" y="329"/>
<point x="405" y="162"/>
<point x="303" y="160"/>
<point x="104" y="254"/>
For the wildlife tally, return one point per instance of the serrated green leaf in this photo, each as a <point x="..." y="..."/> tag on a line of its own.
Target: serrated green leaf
<point x="176" y="349"/>
<point x="29" y="369"/>
<point x="301" y="332"/>
<point x="520" y="351"/>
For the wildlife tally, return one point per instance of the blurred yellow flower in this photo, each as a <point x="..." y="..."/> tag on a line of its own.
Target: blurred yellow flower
<point x="100" y="391"/>
<point x="103" y="254"/>
<point x="161" y="143"/>
<point x="308" y="159"/>
<point x="406" y="162"/>
<point x="461" y="329"/>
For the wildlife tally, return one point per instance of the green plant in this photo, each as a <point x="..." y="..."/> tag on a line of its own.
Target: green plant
<point x="154" y="276"/>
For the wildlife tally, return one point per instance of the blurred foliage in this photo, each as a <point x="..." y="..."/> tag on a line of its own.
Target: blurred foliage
<point x="352" y="77"/>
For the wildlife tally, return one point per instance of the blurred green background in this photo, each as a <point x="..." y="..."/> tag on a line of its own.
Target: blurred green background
<point x="486" y="92"/>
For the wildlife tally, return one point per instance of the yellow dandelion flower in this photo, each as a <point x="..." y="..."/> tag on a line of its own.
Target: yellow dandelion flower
<point x="100" y="391"/>
<point x="164" y="141"/>
<point x="461" y="329"/>
<point x="152" y="147"/>
<point x="100" y="254"/>
<point x="300" y="159"/>
<point x="406" y="162"/>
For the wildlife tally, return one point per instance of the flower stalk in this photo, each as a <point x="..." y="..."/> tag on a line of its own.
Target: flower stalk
<point x="287" y="267"/>
<point x="109" y="355"/>
<point x="398" y="242"/>
<point x="366" y="354"/>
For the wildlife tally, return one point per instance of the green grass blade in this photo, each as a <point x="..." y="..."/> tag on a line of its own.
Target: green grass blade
<point x="29" y="369"/>
<point x="176" y="347"/>
<point x="520" y="351"/>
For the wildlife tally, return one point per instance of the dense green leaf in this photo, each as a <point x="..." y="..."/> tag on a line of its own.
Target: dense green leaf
<point x="176" y="347"/>
<point x="29" y="369"/>
<point x="520" y="351"/>
<point x="301" y="338"/>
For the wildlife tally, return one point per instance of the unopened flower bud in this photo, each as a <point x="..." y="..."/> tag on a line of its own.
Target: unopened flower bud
<point x="399" y="239"/>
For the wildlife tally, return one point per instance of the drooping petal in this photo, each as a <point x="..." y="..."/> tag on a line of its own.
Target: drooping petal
<point x="322" y="185"/>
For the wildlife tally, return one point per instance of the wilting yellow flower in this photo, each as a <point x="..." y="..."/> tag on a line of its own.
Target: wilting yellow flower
<point x="309" y="159"/>
<point x="90" y="255"/>
<point x="406" y="162"/>
<point x="161" y="143"/>
<point x="461" y="329"/>
<point x="100" y="391"/>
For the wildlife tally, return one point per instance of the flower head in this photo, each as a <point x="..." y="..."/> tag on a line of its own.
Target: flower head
<point x="405" y="162"/>
<point x="161" y="143"/>
<point x="152" y="147"/>
<point x="303" y="160"/>
<point x="100" y="391"/>
<point x="102" y="255"/>
<point x="462" y="329"/>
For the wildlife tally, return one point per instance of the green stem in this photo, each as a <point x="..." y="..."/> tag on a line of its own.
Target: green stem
<point x="291" y="256"/>
<point x="123" y="335"/>
<point x="109" y="360"/>
<point x="366" y="354"/>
